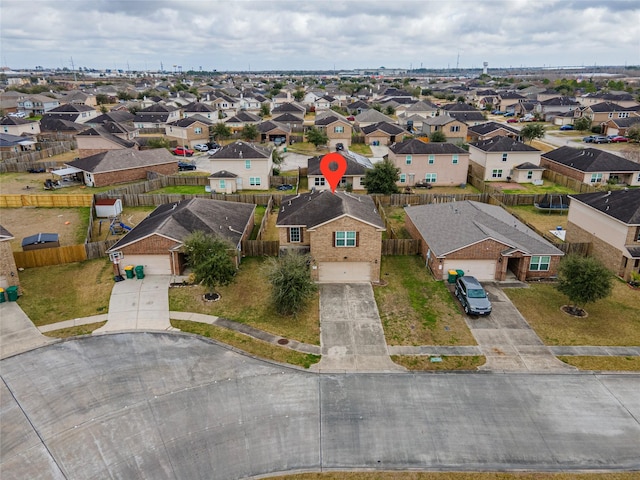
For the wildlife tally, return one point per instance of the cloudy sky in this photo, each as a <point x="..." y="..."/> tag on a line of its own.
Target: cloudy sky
<point x="317" y="34"/>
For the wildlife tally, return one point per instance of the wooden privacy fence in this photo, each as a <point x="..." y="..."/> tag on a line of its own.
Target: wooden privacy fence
<point x="568" y="182"/>
<point x="400" y="246"/>
<point x="265" y="219"/>
<point x="401" y="199"/>
<point x="258" y="248"/>
<point x="71" y="200"/>
<point x="59" y="255"/>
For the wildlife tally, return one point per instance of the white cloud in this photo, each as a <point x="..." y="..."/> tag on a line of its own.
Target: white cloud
<point x="231" y="35"/>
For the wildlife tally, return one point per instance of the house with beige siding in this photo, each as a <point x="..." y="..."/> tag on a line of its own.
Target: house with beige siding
<point x="592" y="166"/>
<point x="497" y="158"/>
<point x="252" y="164"/>
<point x="342" y="232"/>
<point x="383" y="133"/>
<point x="455" y="130"/>
<point x="603" y="112"/>
<point x="433" y="163"/>
<point x="357" y="167"/>
<point x="99" y="139"/>
<point x="485" y="241"/>
<point x="19" y="126"/>
<point x="337" y="128"/>
<point x="188" y="131"/>
<point x="610" y="221"/>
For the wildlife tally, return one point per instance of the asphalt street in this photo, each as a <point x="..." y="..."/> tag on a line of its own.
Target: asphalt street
<point x="175" y="406"/>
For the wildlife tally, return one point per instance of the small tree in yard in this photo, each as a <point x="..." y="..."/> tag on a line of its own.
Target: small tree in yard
<point x="584" y="280"/>
<point x="221" y="131"/>
<point x="210" y="260"/>
<point x="582" y="124"/>
<point x="316" y="136"/>
<point x="437" y="136"/>
<point x="291" y="284"/>
<point x="633" y="132"/>
<point x="249" y="132"/>
<point x="382" y="178"/>
<point x="532" y="131"/>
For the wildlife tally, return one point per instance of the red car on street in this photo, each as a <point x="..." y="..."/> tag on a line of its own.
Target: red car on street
<point x="182" y="151"/>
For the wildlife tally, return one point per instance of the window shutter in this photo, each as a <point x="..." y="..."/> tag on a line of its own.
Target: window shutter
<point x="289" y="235"/>
<point x="357" y="239"/>
<point x="301" y="235"/>
<point x="334" y="239"/>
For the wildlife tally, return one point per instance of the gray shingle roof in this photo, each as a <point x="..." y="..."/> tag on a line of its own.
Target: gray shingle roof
<point x="353" y="167"/>
<point x="447" y="227"/>
<point x="270" y="125"/>
<point x="623" y="205"/>
<point x="115" y="160"/>
<point x="223" y="174"/>
<point x="314" y="209"/>
<point x="418" y="147"/>
<point x="489" y="127"/>
<point x="468" y="116"/>
<point x="241" y="150"/>
<point x="178" y="220"/>
<point x="385" y="127"/>
<point x="188" y="121"/>
<point x="591" y="160"/>
<point x="373" y="116"/>
<point x="99" y="131"/>
<point x="5" y="234"/>
<point x="503" y="144"/>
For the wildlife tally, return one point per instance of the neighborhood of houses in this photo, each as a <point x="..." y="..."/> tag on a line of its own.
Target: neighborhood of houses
<point x="343" y="231"/>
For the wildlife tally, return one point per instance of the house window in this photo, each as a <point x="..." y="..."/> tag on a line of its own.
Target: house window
<point x="611" y="115"/>
<point x="432" y="159"/>
<point x="638" y="235"/>
<point x="496" y="173"/>
<point x="6" y="129"/>
<point x="247" y="164"/>
<point x="539" y="264"/>
<point x="294" y="234"/>
<point x="254" y="181"/>
<point x="529" y="175"/>
<point x="339" y="129"/>
<point x="403" y="178"/>
<point x="454" y="159"/>
<point x="454" y="128"/>
<point x="596" y="177"/>
<point x="319" y="182"/>
<point x="430" y="177"/>
<point x="345" y="239"/>
<point x="504" y="157"/>
<point x="223" y="185"/>
<point x="197" y="130"/>
<point x="623" y="115"/>
<point x="408" y="159"/>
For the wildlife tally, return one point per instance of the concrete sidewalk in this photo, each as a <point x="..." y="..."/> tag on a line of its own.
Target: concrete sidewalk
<point x="139" y="305"/>
<point x="17" y="333"/>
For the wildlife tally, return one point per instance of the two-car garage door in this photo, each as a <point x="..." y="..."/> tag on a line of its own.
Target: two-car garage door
<point x="344" y="272"/>
<point x="481" y="269"/>
<point x="153" y="264"/>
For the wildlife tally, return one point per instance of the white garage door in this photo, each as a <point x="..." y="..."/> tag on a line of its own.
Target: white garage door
<point x="344" y="272"/>
<point x="481" y="269"/>
<point x="153" y="264"/>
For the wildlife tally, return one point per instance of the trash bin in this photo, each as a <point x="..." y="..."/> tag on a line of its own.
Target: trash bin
<point x="453" y="275"/>
<point x="285" y="149"/>
<point x="2" y="299"/>
<point x="12" y="293"/>
<point x="128" y="270"/>
<point x="140" y="272"/>
<point x="460" y="273"/>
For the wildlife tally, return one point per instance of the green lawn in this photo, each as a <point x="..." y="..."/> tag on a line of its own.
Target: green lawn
<point x="63" y="292"/>
<point x="361" y="148"/>
<point x="613" y="321"/>
<point x="542" y="220"/>
<point x="415" y="309"/>
<point x="423" y="362"/>
<point x="306" y="148"/>
<point x="247" y="301"/>
<point x="530" y="188"/>
<point x="396" y="217"/>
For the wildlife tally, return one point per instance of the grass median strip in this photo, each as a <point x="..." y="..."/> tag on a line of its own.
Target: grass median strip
<point x="75" y="331"/>
<point x="250" y="345"/>
<point x="423" y="362"/>
<point x="622" y="364"/>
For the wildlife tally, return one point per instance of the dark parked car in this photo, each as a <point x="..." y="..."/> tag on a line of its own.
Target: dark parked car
<point x="285" y="187"/>
<point x="183" y="166"/>
<point x="339" y="147"/>
<point x="472" y="296"/>
<point x="589" y="139"/>
<point x="566" y="127"/>
<point x="509" y="114"/>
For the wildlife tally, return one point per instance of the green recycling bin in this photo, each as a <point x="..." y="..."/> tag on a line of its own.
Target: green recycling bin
<point x="453" y="275"/>
<point x="140" y="272"/>
<point x="460" y="273"/>
<point x="12" y="293"/>
<point x="128" y="270"/>
<point x="2" y="299"/>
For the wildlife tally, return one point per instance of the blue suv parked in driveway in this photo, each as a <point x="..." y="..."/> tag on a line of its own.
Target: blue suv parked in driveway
<point x="472" y="296"/>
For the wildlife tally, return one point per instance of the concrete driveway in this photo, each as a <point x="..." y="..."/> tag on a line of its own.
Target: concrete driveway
<point x="174" y="406"/>
<point x="507" y="341"/>
<point x="351" y="334"/>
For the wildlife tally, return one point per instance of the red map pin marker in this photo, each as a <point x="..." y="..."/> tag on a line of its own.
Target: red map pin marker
<point x="333" y="165"/>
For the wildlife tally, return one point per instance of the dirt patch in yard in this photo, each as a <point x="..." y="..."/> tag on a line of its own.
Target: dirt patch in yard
<point x="68" y="223"/>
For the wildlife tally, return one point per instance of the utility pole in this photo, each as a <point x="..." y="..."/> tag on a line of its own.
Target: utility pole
<point x="73" y="69"/>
